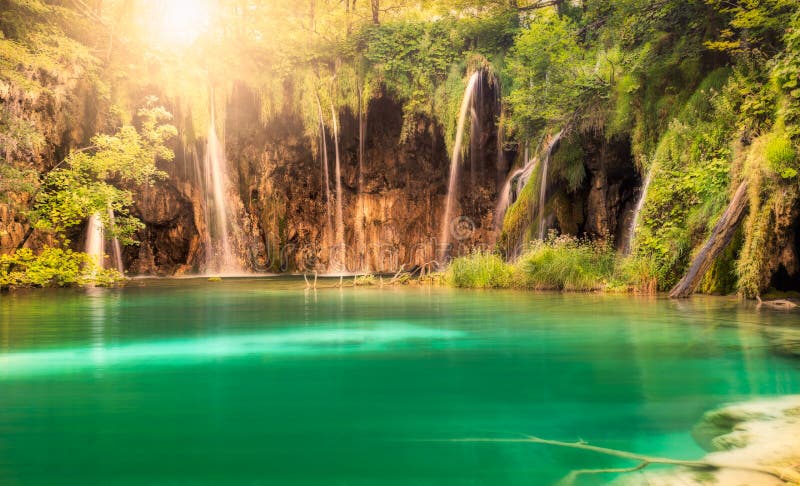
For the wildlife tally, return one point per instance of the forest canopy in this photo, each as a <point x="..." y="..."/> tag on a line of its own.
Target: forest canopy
<point x="705" y="92"/>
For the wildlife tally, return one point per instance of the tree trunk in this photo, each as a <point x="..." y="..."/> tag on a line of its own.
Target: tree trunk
<point x="720" y="238"/>
<point x="375" y="11"/>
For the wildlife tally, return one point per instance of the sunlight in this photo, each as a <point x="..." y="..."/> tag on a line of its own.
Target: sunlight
<point x="182" y="21"/>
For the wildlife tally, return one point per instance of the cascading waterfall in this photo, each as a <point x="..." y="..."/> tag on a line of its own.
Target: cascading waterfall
<point x="452" y="187"/>
<point x="543" y="189"/>
<point x="95" y="240"/>
<point x="518" y="179"/>
<point x="220" y="258"/>
<point x="326" y="174"/>
<point x="116" y="249"/>
<point x="474" y="145"/>
<point x="511" y="189"/>
<point x="638" y="210"/>
<point x="340" y="248"/>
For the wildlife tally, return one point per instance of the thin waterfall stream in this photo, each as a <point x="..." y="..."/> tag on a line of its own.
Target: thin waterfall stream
<point x="325" y="173"/>
<point x="637" y="211"/>
<point x="339" y="251"/>
<point x="116" y="248"/>
<point x="543" y="189"/>
<point x="455" y="160"/>
<point x="95" y="240"/>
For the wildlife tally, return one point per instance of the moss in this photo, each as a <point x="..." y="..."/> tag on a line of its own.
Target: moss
<point x="721" y="278"/>
<point x="693" y="170"/>
<point x="781" y="155"/>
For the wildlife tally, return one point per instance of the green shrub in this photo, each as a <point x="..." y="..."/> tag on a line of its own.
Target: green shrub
<point x="480" y="270"/>
<point x="559" y="263"/>
<point x="637" y="274"/>
<point x="781" y="156"/>
<point x="53" y="267"/>
<point x="566" y="263"/>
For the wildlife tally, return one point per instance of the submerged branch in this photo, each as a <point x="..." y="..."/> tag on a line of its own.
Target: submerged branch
<point x="782" y="473"/>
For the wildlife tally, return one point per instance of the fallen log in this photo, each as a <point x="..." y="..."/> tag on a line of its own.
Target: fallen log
<point x="720" y="238"/>
<point x="782" y="304"/>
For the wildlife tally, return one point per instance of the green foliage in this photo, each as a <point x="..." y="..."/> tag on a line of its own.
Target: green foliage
<point x="551" y="75"/>
<point x="721" y="278"/>
<point x="690" y="186"/>
<point x="88" y="181"/>
<point x="53" y="267"/>
<point x="520" y="216"/>
<point x="15" y="181"/>
<point x="781" y="155"/>
<point x="754" y="24"/>
<point x="566" y="263"/>
<point x="559" y="263"/>
<point x="479" y="270"/>
<point x="771" y="198"/>
<point x="568" y="164"/>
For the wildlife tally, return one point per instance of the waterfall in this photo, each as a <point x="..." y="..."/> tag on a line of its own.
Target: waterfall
<point x="325" y="174"/>
<point x="361" y="263"/>
<point x="543" y="189"/>
<point x="474" y="144"/>
<point x="340" y="248"/>
<point x="454" y="164"/>
<point x="519" y="179"/>
<point x="511" y="189"/>
<point x="95" y="240"/>
<point x="219" y="252"/>
<point x="116" y="249"/>
<point x="638" y="209"/>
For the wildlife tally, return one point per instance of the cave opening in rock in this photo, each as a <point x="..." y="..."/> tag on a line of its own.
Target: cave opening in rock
<point x="787" y="276"/>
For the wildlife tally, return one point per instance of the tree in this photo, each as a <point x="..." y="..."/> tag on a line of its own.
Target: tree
<point x="96" y="179"/>
<point x="550" y="75"/>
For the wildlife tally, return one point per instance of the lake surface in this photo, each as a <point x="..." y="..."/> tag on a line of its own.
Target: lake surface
<point x="258" y="381"/>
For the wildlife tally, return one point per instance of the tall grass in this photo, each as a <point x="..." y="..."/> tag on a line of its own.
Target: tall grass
<point x="479" y="270"/>
<point x="558" y="263"/>
<point x="566" y="263"/>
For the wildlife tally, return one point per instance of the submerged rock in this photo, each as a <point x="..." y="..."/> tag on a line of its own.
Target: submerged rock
<point x="759" y="433"/>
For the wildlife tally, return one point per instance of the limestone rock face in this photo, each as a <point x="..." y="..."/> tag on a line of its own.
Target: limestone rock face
<point x="169" y="241"/>
<point x="392" y="202"/>
<point x="782" y="270"/>
<point x="602" y="205"/>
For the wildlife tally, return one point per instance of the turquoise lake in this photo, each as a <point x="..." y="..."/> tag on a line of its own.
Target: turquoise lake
<point x="259" y="381"/>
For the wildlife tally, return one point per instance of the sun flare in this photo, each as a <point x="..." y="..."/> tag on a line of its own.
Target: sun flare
<point x="182" y="21"/>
